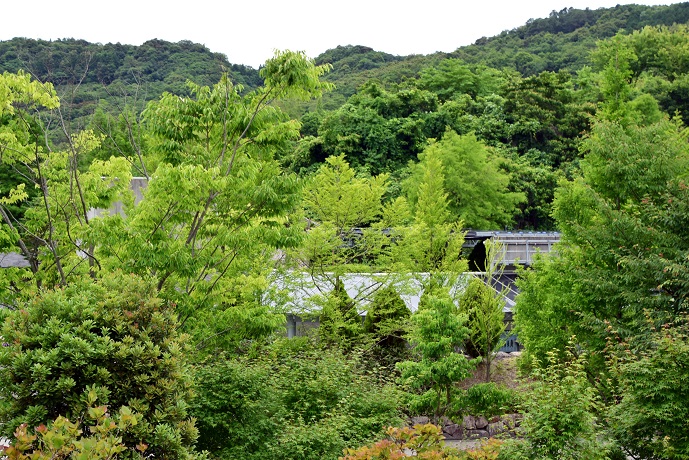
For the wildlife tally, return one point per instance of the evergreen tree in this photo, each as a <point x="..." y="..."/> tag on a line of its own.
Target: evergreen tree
<point x="386" y="320"/>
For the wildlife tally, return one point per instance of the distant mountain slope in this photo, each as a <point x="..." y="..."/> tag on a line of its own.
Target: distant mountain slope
<point x="353" y="65"/>
<point x="68" y="61"/>
<point x="113" y="71"/>
<point x="561" y="41"/>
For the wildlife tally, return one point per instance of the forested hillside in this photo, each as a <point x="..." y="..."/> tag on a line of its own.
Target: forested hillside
<point x="562" y="41"/>
<point x="113" y="73"/>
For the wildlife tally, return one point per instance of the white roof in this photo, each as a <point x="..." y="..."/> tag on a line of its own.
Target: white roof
<point x="303" y="291"/>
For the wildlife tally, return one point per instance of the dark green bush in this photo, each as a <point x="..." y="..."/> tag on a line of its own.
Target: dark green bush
<point x="387" y="323"/>
<point x="488" y="399"/>
<point x="236" y="409"/>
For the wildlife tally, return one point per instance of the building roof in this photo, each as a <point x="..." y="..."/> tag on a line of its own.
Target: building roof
<point x="13" y="259"/>
<point x="303" y="290"/>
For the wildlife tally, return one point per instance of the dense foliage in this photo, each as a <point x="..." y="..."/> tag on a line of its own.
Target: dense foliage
<point x="65" y="439"/>
<point x="425" y="440"/>
<point x="297" y="400"/>
<point x="437" y="330"/>
<point x="564" y="39"/>
<point x="559" y="421"/>
<point x="653" y="395"/>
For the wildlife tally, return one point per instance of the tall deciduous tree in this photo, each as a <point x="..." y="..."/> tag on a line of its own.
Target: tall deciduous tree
<point x="618" y="240"/>
<point x="433" y="243"/>
<point x="216" y="198"/>
<point x="53" y="235"/>
<point x="619" y="272"/>
<point x="477" y="190"/>
<point x="349" y="231"/>
<point x="653" y="394"/>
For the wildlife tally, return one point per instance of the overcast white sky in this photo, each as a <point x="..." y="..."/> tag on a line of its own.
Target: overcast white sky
<point x="248" y="32"/>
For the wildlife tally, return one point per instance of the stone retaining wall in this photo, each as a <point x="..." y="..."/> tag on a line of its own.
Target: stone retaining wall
<point x="476" y="427"/>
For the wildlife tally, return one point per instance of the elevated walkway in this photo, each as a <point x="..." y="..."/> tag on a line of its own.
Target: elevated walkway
<point x="519" y="248"/>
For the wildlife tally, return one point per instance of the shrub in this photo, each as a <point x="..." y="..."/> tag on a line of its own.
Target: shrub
<point x="488" y="399"/>
<point x="65" y="439"/>
<point x="236" y="409"/>
<point x="425" y="440"/>
<point x="487" y="450"/>
<point x="299" y="440"/>
<point x="112" y="336"/>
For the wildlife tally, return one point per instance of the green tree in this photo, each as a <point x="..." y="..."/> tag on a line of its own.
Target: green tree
<point x="339" y="318"/>
<point x="625" y="165"/>
<point x="483" y="302"/>
<point x="432" y="244"/>
<point x="617" y="74"/>
<point x="620" y="235"/>
<point x="537" y="181"/>
<point x="387" y="321"/>
<point x="544" y="113"/>
<point x="619" y="270"/>
<point x="21" y="148"/>
<point x="648" y="419"/>
<point x="476" y="188"/>
<point x="452" y="77"/>
<point x="338" y="197"/>
<point x="438" y="331"/>
<point x="351" y="231"/>
<point x="215" y="205"/>
<point x="378" y="130"/>
<point x="559" y="421"/>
